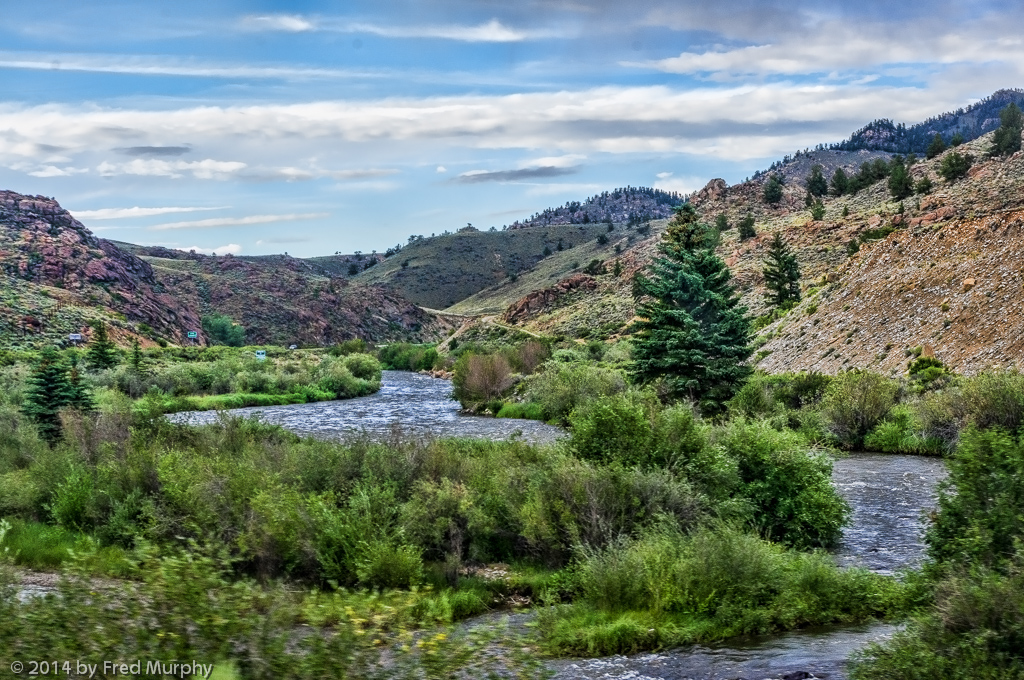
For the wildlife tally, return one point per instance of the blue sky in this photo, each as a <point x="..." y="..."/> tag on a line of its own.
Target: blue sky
<point x="317" y="127"/>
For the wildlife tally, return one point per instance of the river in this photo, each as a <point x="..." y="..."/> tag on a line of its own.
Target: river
<point x="418" y="404"/>
<point x="889" y="495"/>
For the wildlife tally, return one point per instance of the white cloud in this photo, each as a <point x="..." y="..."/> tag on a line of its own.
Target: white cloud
<point x="289" y="23"/>
<point x="121" y="213"/>
<point x="682" y="185"/>
<point x="492" y="31"/>
<point x="238" y="221"/>
<point x="165" y="66"/>
<point x="231" y="248"/>
<point x="54" y="171"/>
<point x="566" y="161"/>
<point x="204" y="169"/>
<point x="441" y="169"/>
<point x="664" y="175"/>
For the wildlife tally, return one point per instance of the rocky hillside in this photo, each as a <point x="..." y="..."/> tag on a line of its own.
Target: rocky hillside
<point x="971" y="122"/>
<point x="880" y="278"/>
<point x="58" y="276"/>
<point x="629" y="205"/>
<point x="283" y="300"/>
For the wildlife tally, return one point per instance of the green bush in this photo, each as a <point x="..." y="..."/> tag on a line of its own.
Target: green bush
<point x="364" y="367"/>
<point x="528" y="411"/>
<point x="614" y="429"/>
<point x="479" y="379"/>
<point x="561" y="387"/>
<point x="855" y="402"/>
<point x="384" y="565"/>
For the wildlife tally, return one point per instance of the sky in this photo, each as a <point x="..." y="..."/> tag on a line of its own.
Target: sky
<point x="320" y="127"/>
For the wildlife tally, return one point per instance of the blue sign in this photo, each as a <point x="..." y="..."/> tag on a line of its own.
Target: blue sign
<point x="193" y="334"/>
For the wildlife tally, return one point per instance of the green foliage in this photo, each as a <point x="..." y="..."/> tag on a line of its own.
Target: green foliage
<point x="975" y="630"/>
<point x="221" y="330"/>
<point x="667" y="589"/>
<point x="981" y="510"/>
<point x="772" y="192"/>
<point x="840" y="182"/>
<point x="613" y="429"/>
<point x="746" y="227"/>
<point x="722" y="223"/>
<point x="102" y="352"/>
<point x="562" y="387"/>
<point x="480" y="379"/>
<point x="924" y="185"/>
<point x="402" y="356"/>
<point x="692" y="333"/>
<point x="955" y="165"/>
<point x="48" y="391"/>
<point x="856" y="401"/>
<point x="817" y="185"/>
<point x="595" y="268"/>
<point x="957" y="139"/>
<point x="937" y="146"/>
<point x="1007" y="137"/>
<point x="781" y="273"/>
<point x="817" y="210"/>
<point x="901" y="184"/>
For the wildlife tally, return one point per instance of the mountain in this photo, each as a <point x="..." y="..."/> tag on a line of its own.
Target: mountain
<point x="629" y="205"/>
<point x="58" y="277"/>
<point x="971" y="122"/>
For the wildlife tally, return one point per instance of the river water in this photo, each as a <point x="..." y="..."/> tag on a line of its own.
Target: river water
<point x="889" y="495"/>
<point x="417" y="404"/>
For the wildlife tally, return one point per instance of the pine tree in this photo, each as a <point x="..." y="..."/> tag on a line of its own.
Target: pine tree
<point x="1007" y="137"/>
<point x="692" y="333"/>
<point x="816" y="183"/>
<point x="781" y="274"/>
<point x="102" y="353"/>
<point x="840" y="182"/>
<point x="136" y="359"/>
<point x="773" y="190"/>
<point x="722" y="223"/>
<point x="746" y="227"/>
<point x="901" y="184"/>
<point x="81" y="395"/>
<point x="957" y="140"/>
<point x="937" y="146"/>
<point x="47" y="391"/>
<point x="817" y="210"/>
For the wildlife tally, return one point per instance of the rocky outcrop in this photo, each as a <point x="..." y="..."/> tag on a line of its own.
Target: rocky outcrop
<point x="42" y="244"/>
<point x="541" y="300"/>
<point x="715" y="190"/>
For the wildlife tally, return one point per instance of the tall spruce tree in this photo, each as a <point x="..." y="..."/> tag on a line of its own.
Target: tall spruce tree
<point x="817" y="185"/>
<point x="81" y="395"/>
<point x="901" y="184"/>
<point x="102" y="352"/>
<point x="773" y="190"/>
<point x="781" y="274"/>
<point x="47" y="391"/>
<point x="840" y="182"/>
<point x="937" y="146"/>
<point x="746" y="227"/>
<point x="1007" y="138"/>
<point x="691" y="333"/>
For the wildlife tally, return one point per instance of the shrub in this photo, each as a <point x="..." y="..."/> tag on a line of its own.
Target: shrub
<point x="613" y="429"/>
<point x="561" y="387"/>
<point x="480" y="378"/>
<point x="384" y="565"/>
<point x="788" y="485"/>
<point x="221" y="330"/>
<point x="955" y="165"/>
<point x="855" y="403"/>
<point x="365" y="367"/>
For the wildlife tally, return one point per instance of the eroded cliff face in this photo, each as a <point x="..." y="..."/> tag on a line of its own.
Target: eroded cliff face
<point x="45" y="249"/>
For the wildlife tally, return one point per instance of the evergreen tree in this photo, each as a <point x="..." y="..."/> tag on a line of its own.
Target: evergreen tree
<point x="955" y="165"/>
<point x="901" y="184"/>
<point x="136" y="358"/>
<point x="773" y="190"/>
<point x="817" y="210"/>
<point x="957" y="140"/>
<point x="722" y="223"/>
<point x="47" y="391"/>
<point x="840" y="182"/>
<point x="746" y="227"/>
<point x="102" y="352"/>
<point x="617" y="270"/>
<point x="937" y="146"/>
<point x="781" y="273"/>
<point x="816" y="183"/>
<point x="692" y="333"/>
<point x="81" y="395"/>
<point x="1007" y="137"/>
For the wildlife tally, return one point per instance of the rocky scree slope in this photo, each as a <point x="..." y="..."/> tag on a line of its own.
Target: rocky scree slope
<point x="58" y="276"/>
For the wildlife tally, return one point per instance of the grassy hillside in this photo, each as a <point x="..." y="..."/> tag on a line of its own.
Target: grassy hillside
<point x="440" y="271"/>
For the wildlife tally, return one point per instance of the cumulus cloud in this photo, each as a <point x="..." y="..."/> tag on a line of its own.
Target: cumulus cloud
<point x="54" y="171"/>
<point x="121" y="213"/>
<point x="204" y="169"/>
<point x="229" y="249"/>
<point x="238" y="221"/>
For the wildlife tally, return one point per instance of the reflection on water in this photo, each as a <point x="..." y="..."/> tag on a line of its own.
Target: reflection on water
<point x="418" y="404"/>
